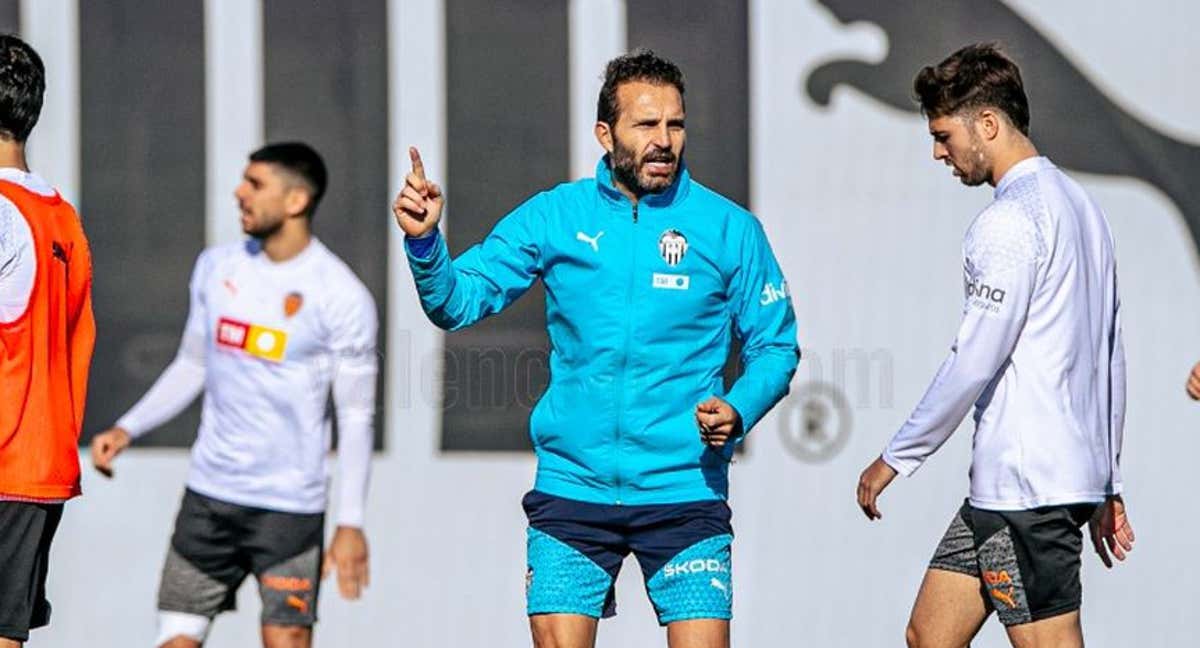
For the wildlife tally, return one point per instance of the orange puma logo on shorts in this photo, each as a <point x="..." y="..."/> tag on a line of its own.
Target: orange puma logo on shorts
<point x="300" y="604"/>
<point x="995" y="581"/>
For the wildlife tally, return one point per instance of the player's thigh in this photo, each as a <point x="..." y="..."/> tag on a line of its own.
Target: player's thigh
<point x="949" y="610"/>
<point x="286" y="551"/>
<point x="26" y="532"/>
<point x="563" y="630"/>
<point x="277" y="636"/>
<point x="203" y="568"/>
<point x="698" y="633"/>
<point x="685" y="552"/>
<point x="1062" y="631"/>
<point x="1030" y="562"/>
<point x="572" y="558"/>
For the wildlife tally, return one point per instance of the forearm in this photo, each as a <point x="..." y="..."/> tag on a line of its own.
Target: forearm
<point x="446" y="295"/>
<point x="354" y="400"/>
<point x="1117" y="405"/>
<point x="946" y="402"/>
<point x="174" y="390"/>
<point x="763" y="384"/>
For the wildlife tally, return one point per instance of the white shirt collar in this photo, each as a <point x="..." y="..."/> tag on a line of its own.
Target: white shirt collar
<point x="1022" y="168"/>
<point x="27" y="179"/>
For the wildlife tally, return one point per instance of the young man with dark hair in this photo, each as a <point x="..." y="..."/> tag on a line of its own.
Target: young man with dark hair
<point x="647" y="273"/>
<point x="1040" y="357"/>
<point x="46" y="337"/>
<point x="277" y="324"/>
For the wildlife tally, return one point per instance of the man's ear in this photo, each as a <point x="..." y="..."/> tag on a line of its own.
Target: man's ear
<point x="604" y="136"/>
<point x="296" y="201"/>
<point x="988" y="124"/>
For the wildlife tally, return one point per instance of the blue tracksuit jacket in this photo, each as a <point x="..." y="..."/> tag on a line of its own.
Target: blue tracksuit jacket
<point x="642" y="302"/>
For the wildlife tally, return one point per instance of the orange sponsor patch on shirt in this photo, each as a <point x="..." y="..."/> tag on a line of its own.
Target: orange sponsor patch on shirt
<point x="252" y="339"/>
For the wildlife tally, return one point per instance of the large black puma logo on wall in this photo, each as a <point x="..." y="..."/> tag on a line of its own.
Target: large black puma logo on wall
<point x="1073" y="121"/>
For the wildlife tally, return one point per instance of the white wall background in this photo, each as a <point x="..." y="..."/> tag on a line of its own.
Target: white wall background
<point x="868" y="230"/>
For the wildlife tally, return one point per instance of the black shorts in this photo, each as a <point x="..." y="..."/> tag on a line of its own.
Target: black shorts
<point x="1027" y="561"/>
<point x="217" y="544"/>
<point x="26" y="530"/>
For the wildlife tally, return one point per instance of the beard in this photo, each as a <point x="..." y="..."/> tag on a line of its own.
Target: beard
<point x="626" y="167"/>
<point x="980" y="169"/>
<point x="263" y="228"/>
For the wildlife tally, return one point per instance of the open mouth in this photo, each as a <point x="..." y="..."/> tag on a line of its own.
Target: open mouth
<point x="658" y="167"/>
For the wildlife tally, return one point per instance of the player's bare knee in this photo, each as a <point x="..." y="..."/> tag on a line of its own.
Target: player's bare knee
<point x="556" y="633"/>
<point x="180" y="641"/>
<point x="916" y="637"/>
<point x="276" y="636"/>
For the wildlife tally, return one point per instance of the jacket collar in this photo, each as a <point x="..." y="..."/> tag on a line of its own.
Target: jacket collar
<point x="672" y="195"/>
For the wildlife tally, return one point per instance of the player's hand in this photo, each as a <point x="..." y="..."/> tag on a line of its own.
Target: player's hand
<point x="871" y="483"/>
<point x="1111" y="531"/>
<point x="418" y="207"/>
<point x="1193" y="383"/>
<point x="347" y="554"/>
<point x="106" y="446"/>
<point x="719" y="422"/>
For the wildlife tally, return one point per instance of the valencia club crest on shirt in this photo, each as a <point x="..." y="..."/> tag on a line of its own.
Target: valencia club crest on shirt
<point x="292" y="303"/>
<point x="251" y="339"/>
<point x="672" y="245"/>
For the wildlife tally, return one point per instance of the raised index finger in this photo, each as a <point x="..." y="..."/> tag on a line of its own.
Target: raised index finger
<point x="418" y="168"/>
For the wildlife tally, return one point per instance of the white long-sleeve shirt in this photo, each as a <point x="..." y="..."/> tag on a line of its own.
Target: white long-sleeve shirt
<point x="268" y="343"/>
<point x="1038" y="353"/>
<point x="18" y="263"/>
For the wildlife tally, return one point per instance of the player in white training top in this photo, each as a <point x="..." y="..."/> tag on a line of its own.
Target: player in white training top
<point x="1039" y="357"/>
<point x="277" y="323"/>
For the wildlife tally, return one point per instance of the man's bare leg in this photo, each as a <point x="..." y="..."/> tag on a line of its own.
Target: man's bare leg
<point x="277" y="636"/>
<point x="949" y="611"/>
<point x="563" y="630"/>
<point x="181" y="642"/>
<point x="9" y="643"/>
<point x="1062" y="631"/>
<point x="698" y="633"/>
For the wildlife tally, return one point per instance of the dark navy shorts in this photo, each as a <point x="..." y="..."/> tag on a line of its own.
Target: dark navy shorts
<point x="575" y="550"/>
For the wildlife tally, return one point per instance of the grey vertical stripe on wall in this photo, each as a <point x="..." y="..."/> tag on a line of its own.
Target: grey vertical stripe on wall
<point x="10" y="16"/>
<point x="708" y="39"/>
<point x="142" y="141"/>
<point x="325" y="78"/>
<point x="507" y="131"/>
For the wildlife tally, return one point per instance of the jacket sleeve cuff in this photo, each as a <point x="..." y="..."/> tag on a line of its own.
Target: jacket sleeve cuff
<point x="422" y="247"/>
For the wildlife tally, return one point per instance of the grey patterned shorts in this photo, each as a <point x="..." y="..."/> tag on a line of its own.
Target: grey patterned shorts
<point x="1027" y="561"/>
<point x="217" y="544"/>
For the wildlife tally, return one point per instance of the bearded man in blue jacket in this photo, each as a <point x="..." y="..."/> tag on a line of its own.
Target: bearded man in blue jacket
<point x="648" y="276"/>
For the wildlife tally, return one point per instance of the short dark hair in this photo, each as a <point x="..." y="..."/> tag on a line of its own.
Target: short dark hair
<point x="974" y="77"/>
<point x="302" y="161"/>
<point x="639" y="65"/>
<point x="22" y="84"/>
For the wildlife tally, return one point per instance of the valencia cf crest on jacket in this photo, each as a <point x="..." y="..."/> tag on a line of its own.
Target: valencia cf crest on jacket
<point x="672" y="245"/>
